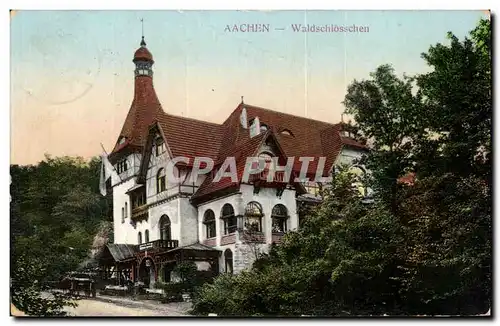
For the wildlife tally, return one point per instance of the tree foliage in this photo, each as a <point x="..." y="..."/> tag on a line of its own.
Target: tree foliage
<point x="56" y="210"/>
<point x="420" y="248"/>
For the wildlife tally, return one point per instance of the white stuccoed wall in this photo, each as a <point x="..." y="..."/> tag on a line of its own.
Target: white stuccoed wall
<point x="121" y="230"/>
<point x="188" y="222"/>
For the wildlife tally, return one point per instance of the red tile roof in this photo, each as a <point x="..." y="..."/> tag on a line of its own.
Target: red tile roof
<point x="189" y="137"/>
<point x="142" y="54"/>
<point x="143" y="112"/>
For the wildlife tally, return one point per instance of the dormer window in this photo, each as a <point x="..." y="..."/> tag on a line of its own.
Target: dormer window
<point x="160" y="146"/>
<point x="122" y="166"/>
<point x="286" y="132"/>
<point x="121" y="140"/>
<point x="263" y="127"/>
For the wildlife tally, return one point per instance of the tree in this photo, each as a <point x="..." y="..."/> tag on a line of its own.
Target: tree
<point x="386" y="113"/>
<point x="55" y="210"/>
<point x="27" y="292"/>
<point x="457" y="106"/>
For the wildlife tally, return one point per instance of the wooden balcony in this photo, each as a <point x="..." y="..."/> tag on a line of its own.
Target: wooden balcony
<point x="159" y="245"/>
<point x="139" y="213"/>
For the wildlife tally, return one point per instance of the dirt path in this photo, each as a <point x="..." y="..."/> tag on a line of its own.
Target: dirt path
<point x="110" y="306"/>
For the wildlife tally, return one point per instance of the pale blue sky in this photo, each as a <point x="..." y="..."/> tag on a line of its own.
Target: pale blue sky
<point x="74" y="68"/>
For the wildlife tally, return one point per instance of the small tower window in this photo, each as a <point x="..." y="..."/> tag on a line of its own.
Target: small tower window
<point x="126" y="209"/>
<point x="146" y="236"/>
<point x="139" y="238"/>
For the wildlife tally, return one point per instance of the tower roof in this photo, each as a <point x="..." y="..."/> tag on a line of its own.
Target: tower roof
<point x="142" y="53"/>
<point x="145" y="109"/>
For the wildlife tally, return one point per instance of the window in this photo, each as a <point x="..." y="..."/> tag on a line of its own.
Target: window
<point x="161" y="181"/>
<point x="160" y="146"/>
<point x="123" y="215"/>
<point x="165" y="233"/>
<point x="253" y="217"/>
<point x="263" y="127"/>
<point x="286" y="132"/>
<point x="122" y="140"/>
<point x="122" y="166"/>
<point x="279" y="216"/>
<point x="126" y="209"/>
<point x="227" y="215"/>
<point x="139" y="238"/>
<point x="228" y="258"/>
<point x="146" y="236"/>
<point x="209" y="221"/>
<point x="139" y="198"/>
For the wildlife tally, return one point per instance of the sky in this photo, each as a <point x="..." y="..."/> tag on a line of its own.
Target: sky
<point x="72" y="78"/>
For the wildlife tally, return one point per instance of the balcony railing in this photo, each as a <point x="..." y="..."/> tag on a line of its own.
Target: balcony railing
<point x="159" y="244"/>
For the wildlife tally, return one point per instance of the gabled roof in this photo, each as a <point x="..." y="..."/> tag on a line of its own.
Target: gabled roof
<point x="191" y="138"/>
<point x="121" y="252"/>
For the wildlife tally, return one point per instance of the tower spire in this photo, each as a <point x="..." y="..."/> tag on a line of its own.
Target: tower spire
<point x="143" y="43"/>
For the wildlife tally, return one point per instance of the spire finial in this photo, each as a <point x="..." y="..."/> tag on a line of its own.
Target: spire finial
<point x="143" y="43"/>
<point x="242" y="99"/>
<point x="342" y="117"/>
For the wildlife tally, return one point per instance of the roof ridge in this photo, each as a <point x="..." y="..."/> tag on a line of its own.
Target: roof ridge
<point x="193" y="119"/>
<point x="289" y="114"/>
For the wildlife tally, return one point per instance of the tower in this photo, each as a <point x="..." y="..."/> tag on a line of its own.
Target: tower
<point x="145" y="108"/>
<point x="143" y="61"/>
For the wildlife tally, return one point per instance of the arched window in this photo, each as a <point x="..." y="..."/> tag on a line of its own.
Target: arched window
<point x="228" y="258"/>
<point x="253" y="217"/>
<point x="139" y="238"/>
<point x="161" y="181"/>
<point x="123" y="215"/>
<point x="209" y="221"/>
<point x="165" y="232"/>
<point x="230" y="222"/>
<point x="146" y="236"/>
<point x="279" y="216"/>
<point x="126" y="209"/>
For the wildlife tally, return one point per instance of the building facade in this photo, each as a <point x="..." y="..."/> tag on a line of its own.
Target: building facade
<point x="223" y="224"/>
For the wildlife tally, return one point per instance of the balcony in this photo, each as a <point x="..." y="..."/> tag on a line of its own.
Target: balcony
<point x="139" y="213"/>
<point x="159" y="245"/>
